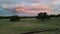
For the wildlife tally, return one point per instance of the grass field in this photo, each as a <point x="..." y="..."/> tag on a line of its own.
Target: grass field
<point x="29" y="24"/>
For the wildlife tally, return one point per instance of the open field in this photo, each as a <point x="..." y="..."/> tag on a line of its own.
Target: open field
<point x="29" y="24"/>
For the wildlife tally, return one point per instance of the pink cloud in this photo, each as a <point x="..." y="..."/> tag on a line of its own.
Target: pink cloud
<point x="33" y="9"/>
<point x="55" y="1"/>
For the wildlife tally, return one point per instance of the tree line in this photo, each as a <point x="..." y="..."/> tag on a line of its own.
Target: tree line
<point x="40" y="16"/>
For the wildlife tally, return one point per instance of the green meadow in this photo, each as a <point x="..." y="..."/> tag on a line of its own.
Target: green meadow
<point x="29" y="24"/>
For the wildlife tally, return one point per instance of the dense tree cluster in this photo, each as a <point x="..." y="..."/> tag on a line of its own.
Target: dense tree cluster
<point x="43" y="16"/>
<point x="14" y="18"/>
<point x="56" y="16"/>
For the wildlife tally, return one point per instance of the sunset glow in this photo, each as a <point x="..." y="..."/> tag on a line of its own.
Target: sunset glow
<point x="31" y="6"/>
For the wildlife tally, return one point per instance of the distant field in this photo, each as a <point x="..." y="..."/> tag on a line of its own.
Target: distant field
<point x="29" y="24"/>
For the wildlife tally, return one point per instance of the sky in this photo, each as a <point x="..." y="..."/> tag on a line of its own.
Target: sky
<point x="29" y="7"/>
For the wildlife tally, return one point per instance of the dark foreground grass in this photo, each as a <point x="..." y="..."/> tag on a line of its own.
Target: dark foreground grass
<point x="29" y="24"/>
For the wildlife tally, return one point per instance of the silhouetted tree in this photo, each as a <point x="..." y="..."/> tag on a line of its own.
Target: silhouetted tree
<point x="58" y="15"/>
<point x="46" y="16"/>
<point x="43" y="16"/>
<point x="54" y="16"/>
<point x="14" y="18"/>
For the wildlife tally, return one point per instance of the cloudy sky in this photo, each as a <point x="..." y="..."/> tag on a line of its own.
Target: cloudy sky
<point x="29" y="7"/>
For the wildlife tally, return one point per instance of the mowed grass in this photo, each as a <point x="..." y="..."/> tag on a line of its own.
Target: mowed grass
<point x="29" y="24"/>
